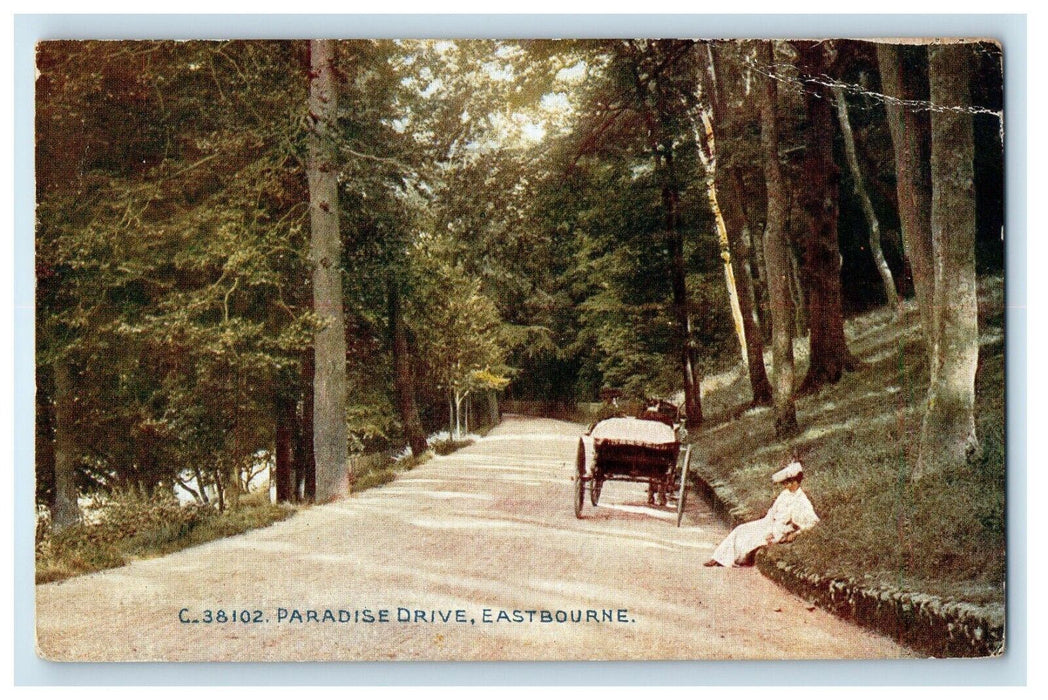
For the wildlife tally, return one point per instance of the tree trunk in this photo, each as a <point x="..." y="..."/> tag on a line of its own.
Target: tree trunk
<point x="402" y="374"/>
<point x="45" y="438"/>
<point x="692" y="398"/>
<point x="777" y="258"/>
<point x="948" y="436"/>
<point x="758" y="272"/>
<point x="232" y="497"/>
<point x="330" y="445"/>
<point x="753" y="243"/>
<point x="285" y="429"/>
<point x="493" y="408"/>
<point x="661" y="145"/>
<point x="306" y="466"/>
<point x="66" y="511"/>
<point x="883" y="270"/>
<point x="911" y="135"/>
<point x="828" y="351"/>
<point x="731" y="224"/>
<point x="188" y="489"/>
<point x="709" y="157"/>
<point x="740" y="254"/>
<point x="800" y="303"/>
<point x="458" y="414"/>
<point x="234" y="490"/>
<point x="201" y="485"/>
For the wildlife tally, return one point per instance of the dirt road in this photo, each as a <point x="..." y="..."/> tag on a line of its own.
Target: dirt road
<point x="476" y="550"/>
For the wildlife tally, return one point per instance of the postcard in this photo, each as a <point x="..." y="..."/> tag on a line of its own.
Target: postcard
<point x="519" y="350"/>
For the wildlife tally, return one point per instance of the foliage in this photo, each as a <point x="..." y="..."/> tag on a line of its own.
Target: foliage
<point x="446" y="447"/>
<point x="943" y="536"/>
<point x="168" y="280"/>
<point x="128" y="525"/>
<point x="371" y="479"/>
<point x="457" y="326"/>
<point x="514" y="193"/>
<point x="376" y="472"/>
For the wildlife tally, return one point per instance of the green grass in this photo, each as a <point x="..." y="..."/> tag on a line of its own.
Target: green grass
<point x="944" y="535"/>
<point x="384" y="471"/>
<point x="132" y="528"/>
<point x="372" y="478"/>
<point x="446" y="447"/>
<point x="372" y="475"/>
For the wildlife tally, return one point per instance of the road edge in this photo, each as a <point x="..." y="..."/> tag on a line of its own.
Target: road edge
<point x="922" y="622"/>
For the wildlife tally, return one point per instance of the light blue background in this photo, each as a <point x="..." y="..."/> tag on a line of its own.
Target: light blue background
<point x="1009" y="29"/>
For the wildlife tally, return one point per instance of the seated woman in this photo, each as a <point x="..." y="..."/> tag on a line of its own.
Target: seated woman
<point x="791" y="513"/>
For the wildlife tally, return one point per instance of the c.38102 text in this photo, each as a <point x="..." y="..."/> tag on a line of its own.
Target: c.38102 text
<point x="221" y="616"/>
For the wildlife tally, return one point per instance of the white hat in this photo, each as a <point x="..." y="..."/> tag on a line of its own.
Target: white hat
<point x="788" y="472"/>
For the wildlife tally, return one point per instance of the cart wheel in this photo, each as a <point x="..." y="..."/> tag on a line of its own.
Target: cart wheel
<point x="595" y="488"/>
<point x="580" y="496"/>
<point x="580" y="479"/>
<point x="683" y="493"/>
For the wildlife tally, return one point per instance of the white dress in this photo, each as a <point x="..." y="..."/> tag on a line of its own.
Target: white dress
<point x="791" y="512"/>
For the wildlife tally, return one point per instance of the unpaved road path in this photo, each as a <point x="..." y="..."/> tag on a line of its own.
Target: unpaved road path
<point x="487" y="529"/>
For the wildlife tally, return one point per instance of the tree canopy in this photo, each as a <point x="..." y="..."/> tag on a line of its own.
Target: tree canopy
<point x="535" y="219"/>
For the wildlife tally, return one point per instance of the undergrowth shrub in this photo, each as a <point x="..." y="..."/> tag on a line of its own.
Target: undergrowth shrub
<point x="446" y="447"/>
<point x="128" y="514"/>
<point x="372" y="478"/>
<point x="128" y="525"/>
<point x="386" y="470"/>
<point x="859" y="440"/>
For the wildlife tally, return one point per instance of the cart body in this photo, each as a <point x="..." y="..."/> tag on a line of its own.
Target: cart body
<point x="646" y="450"/>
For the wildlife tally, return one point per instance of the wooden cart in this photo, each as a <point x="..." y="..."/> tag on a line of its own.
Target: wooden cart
<point x="645" y="450"/>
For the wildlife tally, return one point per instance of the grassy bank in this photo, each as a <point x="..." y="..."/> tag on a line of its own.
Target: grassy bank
<point x="367" y="474"/>
<point x="370" y="471"/>
<point x="130" y="527"/>
<point x="944" y="536"/>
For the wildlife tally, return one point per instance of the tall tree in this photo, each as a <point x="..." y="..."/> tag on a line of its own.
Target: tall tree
<point x="653" y="66"/>
<point x="305" y="473"/>
<point x="45" y="438"/>
<point x="948" y="432"/>
<point x="403" y="376"/>
<point x="777" y="255"/>
<point x="689" y="364"/>
<point x="708" y="153"/>
<point x="459" y="343"/>
<point x="859" y="187"/>
<point x="727" y="181"/>
<point x="828" y="355"/>
<point x="752" y="196"/>
<point x="911" y="138"/>
<point x="283" y="467"/>
<point x="66" y="510"/>
<point x="330" y="444"/>
<point x="168" y="253"/>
